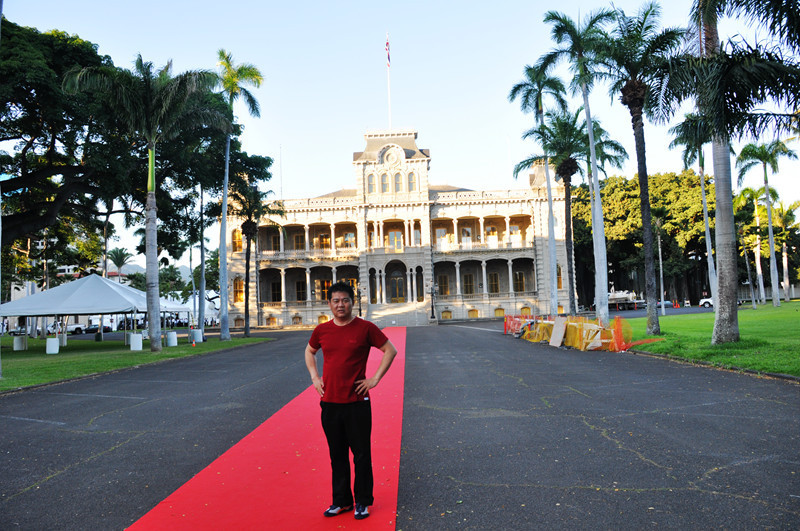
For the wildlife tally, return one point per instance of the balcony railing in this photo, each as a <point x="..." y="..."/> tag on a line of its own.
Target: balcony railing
<point x="449" y="247"/>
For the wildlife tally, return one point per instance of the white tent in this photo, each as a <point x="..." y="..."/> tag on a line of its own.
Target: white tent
<point x="86" y="296"/>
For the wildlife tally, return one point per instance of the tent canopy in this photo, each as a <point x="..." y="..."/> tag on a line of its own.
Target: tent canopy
<point x="89" y="295"/>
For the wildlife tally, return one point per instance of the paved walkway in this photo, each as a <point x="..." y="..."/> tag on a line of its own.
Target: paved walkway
<point x="498" y="433"/>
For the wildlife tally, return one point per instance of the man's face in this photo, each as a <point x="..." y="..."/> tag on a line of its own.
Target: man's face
<point x="341" y="305"/>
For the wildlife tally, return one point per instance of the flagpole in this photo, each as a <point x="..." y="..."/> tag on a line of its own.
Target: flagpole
<point x="389" y="79"/>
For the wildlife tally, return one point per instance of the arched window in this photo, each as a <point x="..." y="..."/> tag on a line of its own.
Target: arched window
<point x="238" y="289"/>
<point x="398" y="183"/>
<point x="412" y="182"/>
<point x="385" y="183"/>
<point x="371" y="184"/>
<point x="236" y="241"/>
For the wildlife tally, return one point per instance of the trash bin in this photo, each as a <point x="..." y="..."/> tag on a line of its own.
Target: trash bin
<point x="51" y="346"/>
<point x="196" y="335"/>
<point x="136" y="341"/>
<point x="98" y="336"/>
<point x="172" y="339"/>
<point x="19" y="342"/>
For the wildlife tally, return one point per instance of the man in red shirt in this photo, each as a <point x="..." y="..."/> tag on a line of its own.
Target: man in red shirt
<point x="344" y="390"/>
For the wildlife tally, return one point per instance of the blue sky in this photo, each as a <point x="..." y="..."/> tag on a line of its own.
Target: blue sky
<point x="324" y="63"/>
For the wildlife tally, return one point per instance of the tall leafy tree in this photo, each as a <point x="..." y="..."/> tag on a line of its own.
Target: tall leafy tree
<point x="578" y="43"/>
<point x="767" y="156"/>
<point x="638" y="50"/>
<point x="693" y="137"/>
<point x="739" y="90"/>
<point x="234" y="80"/>
<point x="119" y="257"/>
<point x="532" y="91"/>
<point x="152" y="103"/>
<point x="753" y="196"/>
<point x="563" y="136"/>
<point x="250" y="205"/>
<point x="787" y="223"/>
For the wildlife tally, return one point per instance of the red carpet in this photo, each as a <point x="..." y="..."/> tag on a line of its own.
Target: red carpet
<point x="278" y="477"/>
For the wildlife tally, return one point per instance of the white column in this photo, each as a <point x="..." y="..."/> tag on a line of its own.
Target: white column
<point x="485" y="280"/>
<point x="408" y="287"/>
<point x="306" y="228"/>
<point x="413" y="284"/>
<point x="455" y="232"/>
<point x="481" y="235"/>
<point x="408" y="233"/>
<point x="280" y="233"/>
<point x="333" y="239"/>
<point x="458" y="279"/>
<point x="510" y="277"/>
<point x="383" y="284"/>
<point x="283" y="285"/>
<point x="507" y="239"/>
<point x="380" y="235"/>
<point x="308" y="283"/>
<point x="333" y="274"/>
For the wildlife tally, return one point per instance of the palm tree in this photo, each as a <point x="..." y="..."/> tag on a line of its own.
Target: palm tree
<point x="532" y="91"/>
<point x="119" y="257"/>
<point x="632" y="57"/>
<point x="756" y="197"/>
<point x="731" y="86"/>
<point x="154" y="105"/>
<point x="234" y="79"/>
<point x="766" y="155"/>
<point x="785" y="220"/>
<point x="690" y="135"/>
<point x="562" y="136"/>
<point x="578" y="45"/>
<point x="248" y="203"/>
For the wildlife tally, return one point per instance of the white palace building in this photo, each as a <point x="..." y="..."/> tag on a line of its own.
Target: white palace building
<point x="414" y="253"/>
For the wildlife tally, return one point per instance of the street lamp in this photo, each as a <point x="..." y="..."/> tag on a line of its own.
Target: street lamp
<point x="433" y="300"/>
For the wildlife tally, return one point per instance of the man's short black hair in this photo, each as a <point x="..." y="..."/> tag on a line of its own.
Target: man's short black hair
<point x="342" y="287"/>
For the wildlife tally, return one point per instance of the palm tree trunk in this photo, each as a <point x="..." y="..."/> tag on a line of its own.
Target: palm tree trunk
<point x="712" y="273"/>
<point x="749" y="278"/>
<point x="201" y="314"/>
<point x="224" y="330"/>
<point x="247" y="288"/>
<point x="762" y="295"/>
<point x="650" y="286"/>
<point x="773" y="263"/>
<point x="598" y="228"/>
<point x="785" y="256"/>
<point x="551" y="243"/>
<point x="151" y="257"/>
<point x="726" y="316"/>
<point x="573" y="309"/>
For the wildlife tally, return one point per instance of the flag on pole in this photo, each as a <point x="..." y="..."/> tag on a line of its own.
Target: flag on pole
<point x="388" y="58"/>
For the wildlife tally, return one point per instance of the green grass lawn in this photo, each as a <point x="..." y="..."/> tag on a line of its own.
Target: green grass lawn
<point x="83" y="357"/>
<point x="769" y="339"/>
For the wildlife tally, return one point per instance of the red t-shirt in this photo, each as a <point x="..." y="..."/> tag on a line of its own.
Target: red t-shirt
<point x="345" y="350"/>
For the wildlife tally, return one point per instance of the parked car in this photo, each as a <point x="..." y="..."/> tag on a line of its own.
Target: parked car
<point x="708" y="302"/>
<point x="21" y="331"/>
<point x="75" y="328"/>
<point x="667" y="304"/>
<point x="93" y="329"/>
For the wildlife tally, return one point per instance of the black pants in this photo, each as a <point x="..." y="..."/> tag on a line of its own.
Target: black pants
<point x="348" y="427"/>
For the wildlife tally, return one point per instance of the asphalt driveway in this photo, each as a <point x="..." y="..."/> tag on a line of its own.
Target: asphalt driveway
<point x="498" y="433"/>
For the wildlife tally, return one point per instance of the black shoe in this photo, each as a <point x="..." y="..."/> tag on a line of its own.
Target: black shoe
<point x="335" y="510"/>
<point x="362" y="511"/>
